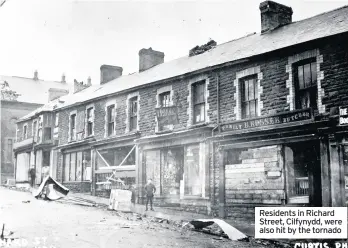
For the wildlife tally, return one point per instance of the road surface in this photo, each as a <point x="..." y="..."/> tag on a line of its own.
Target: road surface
<point x="44" y="224"/>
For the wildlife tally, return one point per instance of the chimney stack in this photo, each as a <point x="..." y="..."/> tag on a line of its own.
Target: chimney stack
<point x="149" y="58"/>
<point x="36" y="75"/>
<point x="63" y="78"/>
<point x="274" y="15"/>
<point x="78" y="86"/>
<point x="54" y="93"/>
<point x="89" y="81"/>
<point x="109" y="72"/>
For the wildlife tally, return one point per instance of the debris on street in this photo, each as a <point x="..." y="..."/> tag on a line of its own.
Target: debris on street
<point x="217" y="227"/>
<point x="51" y="189"/>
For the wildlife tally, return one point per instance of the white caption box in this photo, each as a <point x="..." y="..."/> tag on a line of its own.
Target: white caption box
<point x="301" y="222"/>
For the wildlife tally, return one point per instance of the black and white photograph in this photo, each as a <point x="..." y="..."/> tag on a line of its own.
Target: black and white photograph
<point x="174" y="123"/>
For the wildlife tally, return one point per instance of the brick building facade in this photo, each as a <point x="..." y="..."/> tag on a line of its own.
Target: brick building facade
<point x="246" y="123"/>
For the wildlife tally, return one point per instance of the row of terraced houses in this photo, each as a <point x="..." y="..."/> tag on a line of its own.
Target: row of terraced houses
<point x="251" y="122"/>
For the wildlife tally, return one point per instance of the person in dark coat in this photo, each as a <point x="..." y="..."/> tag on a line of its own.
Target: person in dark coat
<point x="32" y="174"/>
<point x="150" y="190"/>
<point x="132" y="189"/>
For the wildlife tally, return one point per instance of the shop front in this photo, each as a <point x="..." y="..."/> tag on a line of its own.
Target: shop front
<point x="114" y="161"/>
<point x="77" y="168"/>
<point x="284" y="159"/>
<point x="178" y="165"/>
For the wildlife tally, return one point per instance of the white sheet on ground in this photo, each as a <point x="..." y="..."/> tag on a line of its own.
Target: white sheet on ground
<point x="230" y="231"/>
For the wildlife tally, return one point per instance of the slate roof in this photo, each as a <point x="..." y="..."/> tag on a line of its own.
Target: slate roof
<point x="33" y="91"/>
<point x="320" y="26"/>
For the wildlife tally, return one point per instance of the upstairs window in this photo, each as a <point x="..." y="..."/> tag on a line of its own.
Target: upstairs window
<point x="306" y="85"/>
<point x="164" y="99"/>
<point x="25" y="131"/>
<point x="73" y="127"/>
<point x="39" y="131"/>
<point x="111" y="119"/>
<point x="47" y="134"/>
<point x="198" y="90"/>
<point x="133" y="114"/>
<point x="249" y="97"/>
<point x="90" y="121"/>
<point x="34" y="129"/>
<point x="56" y="121"/>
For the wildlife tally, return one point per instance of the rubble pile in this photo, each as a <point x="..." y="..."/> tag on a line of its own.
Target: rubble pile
<point x="203" y="48"/>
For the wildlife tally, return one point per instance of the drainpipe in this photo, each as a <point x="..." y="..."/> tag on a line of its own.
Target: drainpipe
<point x="218" y="101"/>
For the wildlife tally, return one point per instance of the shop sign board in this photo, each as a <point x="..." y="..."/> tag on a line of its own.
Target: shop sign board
<point x="343" y="119"/>
<point x="283" y="118"/>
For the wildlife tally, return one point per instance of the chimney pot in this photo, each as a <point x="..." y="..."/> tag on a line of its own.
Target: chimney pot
<point x="274" y="15"/>
<point x="149" y="58"/>
<point x="109" y="72"/>
<point x="89" y="81"/>
<point x="36" y="75"/>
<point x="63" y="78"/>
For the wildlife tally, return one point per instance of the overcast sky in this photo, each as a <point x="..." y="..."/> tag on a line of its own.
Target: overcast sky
<point x="77" y="37"/>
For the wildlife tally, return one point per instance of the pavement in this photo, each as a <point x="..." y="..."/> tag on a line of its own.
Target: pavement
<point x="54" y="224"/>
<point x="246" y="227"/>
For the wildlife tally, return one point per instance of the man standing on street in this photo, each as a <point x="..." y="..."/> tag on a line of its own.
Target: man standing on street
<point x="32" y="173"/>
<point x="150" y="190"/>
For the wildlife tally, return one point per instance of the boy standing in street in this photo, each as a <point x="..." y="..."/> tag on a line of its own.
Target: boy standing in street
<point x="150" y="190"/>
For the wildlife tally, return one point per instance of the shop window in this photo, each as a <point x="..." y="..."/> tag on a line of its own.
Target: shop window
<point x="25" y="131"/>
<point x="198" y="102"/>
<point x="249" y="97"/>
<point x="164" y="99"/>
<point x="77" y="166"/>
<point x="193" y="182"/>
<point x="90" y="121"/>
<point x="306" y="85"/>
<point x="47" y="134"/>
<point x="73" y="127"/>
<point x="133" y="114"/>
<point x="111" y="120"/>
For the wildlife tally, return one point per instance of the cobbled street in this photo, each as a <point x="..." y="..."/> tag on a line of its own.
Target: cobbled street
<point x="54" y="224"/>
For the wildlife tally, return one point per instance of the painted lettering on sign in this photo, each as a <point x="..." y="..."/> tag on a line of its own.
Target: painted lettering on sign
<point x="343" y="119"/>
<point x="289" y="117"/>
<point x="167" y="115"/>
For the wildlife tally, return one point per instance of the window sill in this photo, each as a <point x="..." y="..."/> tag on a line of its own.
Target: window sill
<point x="77" y="181"/>
<point x="164" y="132"/>
<point x="203" y="124"/>
<point x="193" y="197"/>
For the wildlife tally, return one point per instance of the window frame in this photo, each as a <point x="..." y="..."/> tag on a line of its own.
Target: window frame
<point x="133" y="114"/>
<point x="247" y="102"/>
<point x="89" y="121"/>
<point x="72" y="131"/>
<point x="25" y="131"/>
<point x="168" y="101"/>
<point x="110" y="120"/>
<point x="312" y="89"/>
<point x="195" y="104"/>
